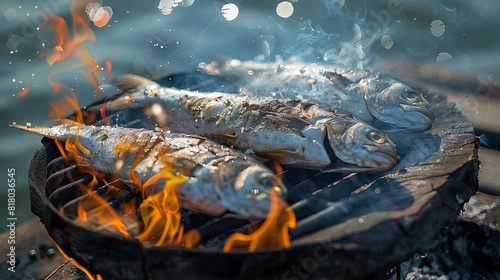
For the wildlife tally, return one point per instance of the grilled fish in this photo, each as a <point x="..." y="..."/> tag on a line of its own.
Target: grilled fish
<point x="286" y="131"/>
<point x="217" y="178"/>
<point x="367" y="95"/>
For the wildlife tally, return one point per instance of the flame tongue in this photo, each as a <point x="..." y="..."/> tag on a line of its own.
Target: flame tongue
<point x="159" y="211"/>
<point x="272" y="233"/>
<point x="101" y="215"/>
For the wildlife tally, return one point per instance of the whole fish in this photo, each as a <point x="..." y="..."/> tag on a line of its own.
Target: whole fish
<point x="286" y="131"/>
<point x="367" y="95"/>
<point x="217" y="178"/>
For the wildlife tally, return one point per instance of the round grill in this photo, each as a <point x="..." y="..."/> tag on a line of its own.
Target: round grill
<point x="349" y="226"/>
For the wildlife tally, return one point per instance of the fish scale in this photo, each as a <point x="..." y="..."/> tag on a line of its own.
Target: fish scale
<point x="287" y="131"/>
<point x="217" y="178"/>
<point x="368" y="95"/>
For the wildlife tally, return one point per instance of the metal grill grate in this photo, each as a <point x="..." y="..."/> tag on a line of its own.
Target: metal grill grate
<point x="353" y="226"/>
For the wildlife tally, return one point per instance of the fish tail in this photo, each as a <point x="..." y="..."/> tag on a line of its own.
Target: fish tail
<point x="130" y="84"/>
<point x="41" y="130"/>
<point x="133" y="83"/>
<point x="61" y="132"/>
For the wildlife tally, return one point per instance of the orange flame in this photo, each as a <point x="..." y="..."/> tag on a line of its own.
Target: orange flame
<point x="96" y="211"/>
<point x="66" y="106"/>
<point x="73" y="102"/>
<point x="160" y="208"/>
<point x="72" y="150"/>
<point x="272" y="233"/>
<point x="161" y="211"/>
<point x="72" y="46"/>
<point x="108" y="66"/>
<point x="65" y="47"/>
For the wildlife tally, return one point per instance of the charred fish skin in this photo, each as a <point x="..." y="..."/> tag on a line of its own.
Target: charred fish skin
<point x="287" y="131"/>
<point x="367" y="95"/>
<point x="217" y="178"/>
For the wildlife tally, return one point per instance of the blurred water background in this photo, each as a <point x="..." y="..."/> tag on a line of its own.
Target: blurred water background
<point x="156" y="37"/>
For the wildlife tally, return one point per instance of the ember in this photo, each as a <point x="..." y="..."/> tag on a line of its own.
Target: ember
<point x="23" y="92"/>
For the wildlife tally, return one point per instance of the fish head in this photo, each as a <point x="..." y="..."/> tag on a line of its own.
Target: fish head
<point x="398" y="104"/>
<point x="362" y="146"/>
<point x="249" y="194"/>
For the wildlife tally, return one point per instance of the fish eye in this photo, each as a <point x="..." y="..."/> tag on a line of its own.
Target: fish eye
<point x="267" y="180"/>
<point x="412" y="96"/>
<point x="376" y="137"/>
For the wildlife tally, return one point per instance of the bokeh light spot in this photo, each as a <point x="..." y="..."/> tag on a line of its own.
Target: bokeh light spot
<point x="91" y="9"/>
<point x="230" y="11"/>
<point x="186" y="3"/>
<point x="437" y="28"/>
<point x="166" y="6"/>
<point x="98" y="14"/>
<point x="444" y="56"/>
<point x="284" y="9"/>
<point x="101" y="17"/>
<point x="465" y="61"/>
<point x="386" y="41"/>
<point x="10" y="14"/>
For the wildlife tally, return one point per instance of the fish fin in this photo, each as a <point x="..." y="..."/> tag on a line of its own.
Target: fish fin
<point x="337" y="127"/>
<point x="339" y="166"/>
<point x="338" y="79"/>
<point x="223" y="138"/>
<point x="352" y="169"/>
<point x="233" y="215"/>
<point x="224" y="135"/>
<point x="130" y="84"/>
<point x="343" y="170"/>
<point x="133" y="83"/>
<point x="280" y="156"/>
<point x="306" y="109"/>
<point x="287" y="122"/>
